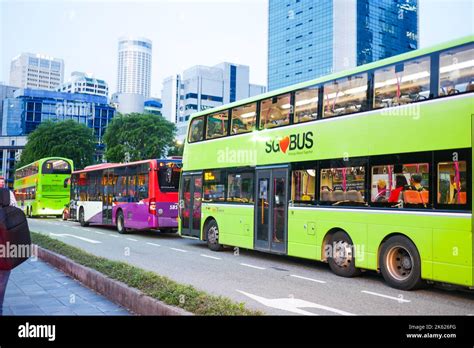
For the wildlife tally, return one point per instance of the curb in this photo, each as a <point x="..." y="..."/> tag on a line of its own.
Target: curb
<point x="116" y="291"/>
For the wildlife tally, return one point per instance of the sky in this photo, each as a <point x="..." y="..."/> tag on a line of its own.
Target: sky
<point x="184" y="32"/>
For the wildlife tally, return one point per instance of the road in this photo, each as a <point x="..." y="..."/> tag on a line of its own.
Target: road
<point x="273" y="284"/>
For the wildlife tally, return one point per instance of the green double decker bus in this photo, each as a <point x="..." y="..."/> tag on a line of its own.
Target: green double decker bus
<point x="42" y="187"/>
<point x="367" y="169"/>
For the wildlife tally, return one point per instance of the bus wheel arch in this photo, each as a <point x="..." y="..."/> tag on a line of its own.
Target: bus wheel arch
<point x="399" y="261"/>
<point x="339" y="253"/>
<point x="81" y="217"/>
<point x="120" y="222"/>
<point x="211" y="234"/>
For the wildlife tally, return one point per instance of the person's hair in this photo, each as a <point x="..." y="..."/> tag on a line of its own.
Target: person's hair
<point x="400" y="180"/>
<point x="417" y="178"/>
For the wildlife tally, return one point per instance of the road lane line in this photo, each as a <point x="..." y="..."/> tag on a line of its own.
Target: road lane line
<point x="399" y="299"/>
<point x="293" y="305"/>
<point x="310" y="279"/>
<point x="77" y="237"/>
<point x="211" y="257"/>
<point x="98" y="232"/>
<point x="112" y="235"/>
<point x="133" y="240"/>
<point x="252" y="266"/>
<point x="180" y="250"/>
<point x="154" y="244"/>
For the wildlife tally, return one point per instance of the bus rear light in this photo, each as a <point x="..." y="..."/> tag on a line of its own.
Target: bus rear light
<point x="152" y="207"/>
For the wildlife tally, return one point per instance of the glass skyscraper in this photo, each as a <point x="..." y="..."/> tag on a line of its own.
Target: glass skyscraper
<point x="308" y="39"/>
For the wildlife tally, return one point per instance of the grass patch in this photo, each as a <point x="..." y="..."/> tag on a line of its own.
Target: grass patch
<point x="151" y="284"/>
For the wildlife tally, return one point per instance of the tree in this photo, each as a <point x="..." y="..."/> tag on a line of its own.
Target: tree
<point x="135" y="137"/>
<point x="176" y="149"/>
<point x="68" y="139"/>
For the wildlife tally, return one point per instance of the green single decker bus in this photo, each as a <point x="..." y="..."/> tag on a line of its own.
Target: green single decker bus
<point x="42" y="187"/>
<point x="366" y="169"/>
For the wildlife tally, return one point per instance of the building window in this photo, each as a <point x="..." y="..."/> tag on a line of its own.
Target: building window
<point x="196" y="129"/>
<point x="306" y="104"/>
<point x="275" y="111"/>
<point x="244" y="118"/>
<point x="456" y="71"/>
<point x="402" y="83"/>
<point x="345" y="96"/>
<point x="217" y="125"/>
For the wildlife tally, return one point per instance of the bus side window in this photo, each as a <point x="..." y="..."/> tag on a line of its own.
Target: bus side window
<point x="452" y="183"/>
<point x="456" y="71"/>
<point x="402" y="83"/>
<point x="196" y="129"/>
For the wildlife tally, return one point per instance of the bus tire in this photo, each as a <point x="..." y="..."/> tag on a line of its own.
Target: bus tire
<point x="400" y="263"/>
<point x="212" y="236"/>
<point x="82" y="220"/>
<point x="341" y="258"/>
<point x="120" y="221"/>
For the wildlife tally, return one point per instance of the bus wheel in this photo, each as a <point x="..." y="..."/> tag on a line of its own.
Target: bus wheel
<point x="212" y="236"/>
<point x="341" y="258"/>
<point x="121" y="223"/>
<point x="400" y="263"/>
<point x="82" y="220"/>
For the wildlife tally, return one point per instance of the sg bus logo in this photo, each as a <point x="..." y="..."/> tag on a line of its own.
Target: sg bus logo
<point x="291" y="142"/>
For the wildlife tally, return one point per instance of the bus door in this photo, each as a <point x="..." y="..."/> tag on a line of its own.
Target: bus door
<point x="271" y="210"/>
<point x="190" y="205"/>
<point x="108" y="195"/>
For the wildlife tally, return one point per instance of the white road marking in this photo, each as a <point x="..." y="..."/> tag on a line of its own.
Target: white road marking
<point x="77" y="237"/>
<point x="113" y="235"/>
<point x="180" y="250"/>
<point x="211" y="257"/>
<point x="98" y="232"/>
<point x="293" y="305"/>
<point x="399" y="299"/>
<point x="154" y="244"/>
<point x="310" y="279"/>
<point x="133" y="240"/>
<point x="252" y="266"/>
<point x="77" y="228"/>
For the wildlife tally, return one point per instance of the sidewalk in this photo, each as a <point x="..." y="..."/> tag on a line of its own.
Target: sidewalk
<point x="36" y="288"/>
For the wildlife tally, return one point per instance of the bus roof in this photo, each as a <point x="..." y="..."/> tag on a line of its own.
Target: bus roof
<point x="46" y="159"/>
<point x="360" y="68"/>
<point x="100" y="166"/>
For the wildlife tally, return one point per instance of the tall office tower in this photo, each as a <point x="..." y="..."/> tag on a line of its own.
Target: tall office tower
<point x="134" y="66"/>
<point x="29" y="70"/>
<point x="308" y="39"/>
<point x="204" y="87"/>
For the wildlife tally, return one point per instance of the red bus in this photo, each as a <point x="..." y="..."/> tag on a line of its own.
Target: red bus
<point x="139" y="195"/>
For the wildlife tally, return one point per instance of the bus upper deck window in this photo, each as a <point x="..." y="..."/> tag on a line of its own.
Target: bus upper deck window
<point x="456" y="71"/>
<point x="196" y="129"/>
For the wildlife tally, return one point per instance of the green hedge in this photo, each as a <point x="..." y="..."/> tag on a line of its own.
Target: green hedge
<point x="151" y="284"/>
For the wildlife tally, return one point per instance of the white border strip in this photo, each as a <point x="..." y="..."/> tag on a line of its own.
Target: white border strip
<point x="228" y="205"/>
<point x="378" y="211"/>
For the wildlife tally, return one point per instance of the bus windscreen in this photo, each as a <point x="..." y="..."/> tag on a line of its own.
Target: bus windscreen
<point x="56" y="167"/>
<point x="168" y="177"/>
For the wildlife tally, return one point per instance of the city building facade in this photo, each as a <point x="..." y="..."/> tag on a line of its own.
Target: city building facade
<point x="308" y="39"/>
<point x="29" y="70"/>
<point x="81" y="82"/>
<point x="153" y="106"/>
<point x="10" y="151"/>
<point x="30" y="107"/>
<point x="134" y="66"/>
<point x="202" y="87"/>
